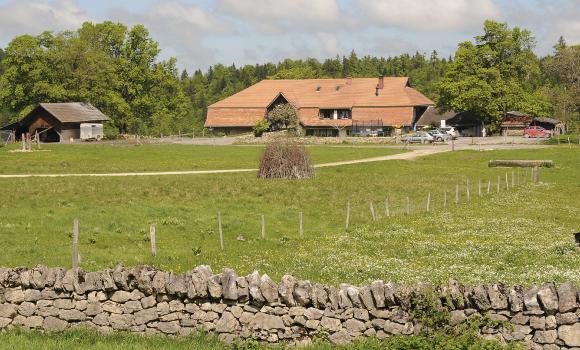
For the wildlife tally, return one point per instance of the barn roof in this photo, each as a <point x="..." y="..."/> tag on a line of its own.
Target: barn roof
<point x="328" y="93"/>
<point x="433" y="116"/>
<point x="249" y="105"/>
<point x="74" y="112"/>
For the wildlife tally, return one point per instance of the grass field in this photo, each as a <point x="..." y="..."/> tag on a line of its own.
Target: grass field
<point x="82" y="339"/>
<point x="97" y="158"/>
<point x="522" y="236"/>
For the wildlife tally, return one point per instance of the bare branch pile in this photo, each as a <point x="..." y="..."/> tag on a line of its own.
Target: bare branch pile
<point x="285" y="160"/>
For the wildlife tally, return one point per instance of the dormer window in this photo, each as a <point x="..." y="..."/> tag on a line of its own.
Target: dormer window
<point x="318" y="89"/>
<point x="337" y="87"/>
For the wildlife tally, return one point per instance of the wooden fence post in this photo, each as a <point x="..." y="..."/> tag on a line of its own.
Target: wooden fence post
<point x="445" y="199"/>
<point x="75" y="245"/>
<point x="457" y="194"/>
<point x="152" y="239"/>
<point x="408" y="206"/>
<point x="220" y="230"/>
<point x="488" y="186"/>
<point x="387" y="209"/>
<point x="467" y="190"/>
<point x="429" y="201"/>
<point x="513" y="179"/>
<point x="300" y="221"/>
<point x="263" y="221"/>
<point x="569" y="144"/>
<point x="347" y="214"/>
<point x="373" y="215"/>
<point x="498" y="183"/>
<point x="507" y="182"/>
<point x="536" y="174"/>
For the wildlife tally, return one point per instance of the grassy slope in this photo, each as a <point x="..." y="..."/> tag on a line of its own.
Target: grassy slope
<point x="523" y="236"/>
<point x="89" y="158"/>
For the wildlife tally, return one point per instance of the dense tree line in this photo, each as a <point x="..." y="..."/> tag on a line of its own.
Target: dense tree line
<point x="118" y="70"/>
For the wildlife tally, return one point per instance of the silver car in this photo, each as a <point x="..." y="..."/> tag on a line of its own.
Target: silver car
<point x="418" y="137"/>
<point x="439" y="135"/>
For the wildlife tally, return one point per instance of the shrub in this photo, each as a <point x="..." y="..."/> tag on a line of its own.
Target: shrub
<point x="283" y="116"/>
<point x="260" y="127"/>
<point x="285" y="160"/>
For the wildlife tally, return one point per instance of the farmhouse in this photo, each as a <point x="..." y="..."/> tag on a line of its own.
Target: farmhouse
<point x="58" y="122"/>
<point x="326" y="107"/>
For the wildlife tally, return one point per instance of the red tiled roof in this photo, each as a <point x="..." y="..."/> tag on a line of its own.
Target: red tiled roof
<point x="316" y="93"/>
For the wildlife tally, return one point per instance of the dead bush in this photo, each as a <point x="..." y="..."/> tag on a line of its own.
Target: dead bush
<point x="285" y="160"/>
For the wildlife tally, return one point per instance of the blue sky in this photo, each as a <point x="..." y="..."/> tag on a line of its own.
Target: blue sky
<point x="203" y="32"/>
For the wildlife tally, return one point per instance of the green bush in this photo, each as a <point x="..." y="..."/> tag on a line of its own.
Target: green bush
<point x="111" y="131"/>
<point x="261" y="127"/>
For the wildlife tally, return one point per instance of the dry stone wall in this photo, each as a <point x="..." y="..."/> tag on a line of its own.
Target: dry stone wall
<point x="149" y="301"/>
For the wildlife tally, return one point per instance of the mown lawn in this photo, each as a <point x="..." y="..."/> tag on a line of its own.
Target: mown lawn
<point x="105" y="158"/>
<point x="522" y="236"/>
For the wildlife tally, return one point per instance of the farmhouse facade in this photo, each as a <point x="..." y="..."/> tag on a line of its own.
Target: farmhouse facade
<point x="326" y="107"/>
<point x="58" y="122"/>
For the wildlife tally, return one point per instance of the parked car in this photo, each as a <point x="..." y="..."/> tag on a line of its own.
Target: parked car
<point x="451" y="131"/>
<point x="439" y="135"/>
<point x="536" y="131"/>
<point x="421" y="136"/>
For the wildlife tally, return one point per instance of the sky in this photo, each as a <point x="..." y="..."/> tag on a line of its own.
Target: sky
<point x="200" y="33"/>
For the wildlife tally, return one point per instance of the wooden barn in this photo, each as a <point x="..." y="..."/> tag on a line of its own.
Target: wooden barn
<point x="514" y="123"/>
<point x="466" y="123"/>
<point x="61" y="122"/>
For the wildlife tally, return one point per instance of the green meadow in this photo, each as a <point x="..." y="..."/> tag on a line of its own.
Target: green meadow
<point x="523" y="236"/>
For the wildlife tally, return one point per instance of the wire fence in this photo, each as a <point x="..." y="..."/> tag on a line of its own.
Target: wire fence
<point x="462" y="193"/>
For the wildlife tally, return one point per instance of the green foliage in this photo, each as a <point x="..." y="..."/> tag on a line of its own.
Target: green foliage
<point x="261" y="127"/>
<point x="113" y="67"/>
<point x="283" y="116"/>
<point x="496" y="74"/>
<point x="563" y="88"/>
<point x="84" y="338"/>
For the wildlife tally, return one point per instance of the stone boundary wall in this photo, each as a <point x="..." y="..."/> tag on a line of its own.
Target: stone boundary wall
<point x="148" y="301"/>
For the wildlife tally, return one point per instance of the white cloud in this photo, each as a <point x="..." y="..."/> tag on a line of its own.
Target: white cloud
<point x="274" y="17"/>
<point x="570" y="30"/>
<point x="34" y="17"/>
<point x="329" y="43"/>
<point x="180" y="28"/>
<point x="433" y="15"/>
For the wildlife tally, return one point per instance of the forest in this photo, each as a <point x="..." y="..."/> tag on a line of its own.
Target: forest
<point x="118" y="69"/>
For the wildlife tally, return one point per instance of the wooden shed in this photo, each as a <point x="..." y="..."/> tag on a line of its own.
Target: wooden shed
<point x="59" y="122"/>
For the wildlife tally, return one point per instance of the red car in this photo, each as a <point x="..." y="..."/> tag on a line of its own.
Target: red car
<point x="536" y="131"/>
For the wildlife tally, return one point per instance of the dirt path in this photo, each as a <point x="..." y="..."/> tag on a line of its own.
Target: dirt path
<point x="411" y="155"/>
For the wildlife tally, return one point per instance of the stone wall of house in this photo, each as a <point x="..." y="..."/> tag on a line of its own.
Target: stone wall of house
<point x="146" y="300"/>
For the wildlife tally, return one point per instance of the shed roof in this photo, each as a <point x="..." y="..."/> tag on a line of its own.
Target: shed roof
<point x="434" y="116"/>
<point x="74" y="112"/>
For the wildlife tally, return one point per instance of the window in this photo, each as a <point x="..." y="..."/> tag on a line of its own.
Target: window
<point x="335" y="114"/>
